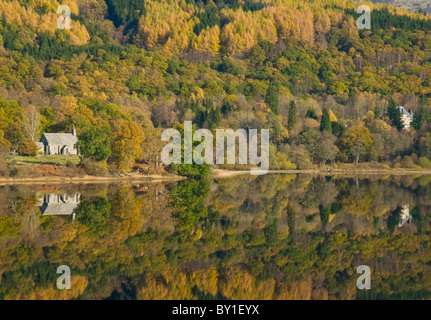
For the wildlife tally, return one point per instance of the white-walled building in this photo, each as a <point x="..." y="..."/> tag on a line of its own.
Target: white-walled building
<point x="406" y="116"/>
<point x="59" y="143"/>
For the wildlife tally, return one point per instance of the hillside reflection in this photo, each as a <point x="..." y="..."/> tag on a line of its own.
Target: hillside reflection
<point x="268" y="237"/>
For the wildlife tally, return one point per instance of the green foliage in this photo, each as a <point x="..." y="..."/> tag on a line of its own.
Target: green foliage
<point x="94" y="168"/>
<point x="271" y="98"/>
<point x="207" y="18"/>
<point x="144" y="86"/>
<point x="94" y="215"/>
<point x="291" y="122"/>
<point x="188" y="202"/>
<point x="337" y="129"/>
<point x="193" y="171"/>
<point x="310" y="139"/>
<point x="422" y="115"/>
<point x="270" y="232"/>
<point x="231" y="241"/>
<point x="95" y="144"/>
<point x="45" y="159"/>
<point x="125" y="12"/>
<point x="395" y="115"/>
<point x="257" y="55"/>
<point x="325" y="122"/>
<point x="291" y="218"/>
<point x="42" y="274"/>
<point x="311" y="113"/>
<point x="8" y="227"/>
<point x="158" y="52"/>
<point x="393" y="220"/>
<point x="424" y="162"/>
<point x="324" y="214"/>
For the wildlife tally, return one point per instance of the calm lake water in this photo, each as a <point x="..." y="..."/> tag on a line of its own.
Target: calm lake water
<point x="267" y="237"/>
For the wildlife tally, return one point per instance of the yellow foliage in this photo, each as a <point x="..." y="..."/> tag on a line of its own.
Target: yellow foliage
<point x="171" y="284"/>
<point x="245" y="29"/>
<point x="164" y="20"/>
<point x="239" y="284"/>
<point x="77" y="286"/>
<point x="15" y="12"/>
<point x="358" y="206"/>
<point x="332" y="116"/>
<point x="300" y="290"/>
<point x="208" y="40"/>
<point x="206" y="280"/>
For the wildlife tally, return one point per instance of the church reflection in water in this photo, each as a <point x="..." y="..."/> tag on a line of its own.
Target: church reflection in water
<point x="53" y="204"/>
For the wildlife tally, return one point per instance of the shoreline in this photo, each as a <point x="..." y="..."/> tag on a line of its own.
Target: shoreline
<point x="216" y="174"/>
<point x="90" y="179"/>
<point x="220" y="173"/>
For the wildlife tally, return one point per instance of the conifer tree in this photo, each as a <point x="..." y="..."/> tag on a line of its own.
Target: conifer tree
<point x="271" y="97"/>
<point x="395" y="115"/>
<point x="325" y="123"/>
<point x="291" y="122"/>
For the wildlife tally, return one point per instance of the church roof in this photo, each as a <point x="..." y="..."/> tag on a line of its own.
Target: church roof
<point x="59" y="138"/>
<point x="58" y="208"/>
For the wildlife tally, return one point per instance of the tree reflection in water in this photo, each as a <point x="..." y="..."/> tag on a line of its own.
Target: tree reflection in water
<point x="268" y="237"/>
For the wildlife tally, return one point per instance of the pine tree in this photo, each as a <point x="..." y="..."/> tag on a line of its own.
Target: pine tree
<point x="271" y="97"/>
<point x="395" y="115"/>
<point x="421" y="116"/>
<point x="291" y="122"/>
<point x="214" y="117"/>
<point x="325" y="123"/>
<point x="291" y="218"/>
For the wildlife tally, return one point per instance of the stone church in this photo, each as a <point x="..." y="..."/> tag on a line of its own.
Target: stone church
<point x="59" y="143"/>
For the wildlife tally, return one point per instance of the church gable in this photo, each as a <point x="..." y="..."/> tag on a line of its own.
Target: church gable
<point x="59" y="143"/>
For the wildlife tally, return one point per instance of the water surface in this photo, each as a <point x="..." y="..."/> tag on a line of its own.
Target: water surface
<point x="268" y="237"/>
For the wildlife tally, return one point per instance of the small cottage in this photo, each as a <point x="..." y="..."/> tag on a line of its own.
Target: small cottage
<point x="59" y="143"/>
<point x="406" y="116"/>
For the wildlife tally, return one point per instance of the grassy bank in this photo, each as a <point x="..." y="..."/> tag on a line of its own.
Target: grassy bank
<point x="44" y="159"/>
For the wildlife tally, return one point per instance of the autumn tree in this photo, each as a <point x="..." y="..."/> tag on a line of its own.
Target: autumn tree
<point x="31" y="123"/>
<point x="356" y="142"/>
<point x="310" y="139"/>
<point x="28" y="148"/>
<point x="126" y="144"/>
<point x="326" y="149"/>
<point x="152" y="148"/>
<point x="4" y="144"/>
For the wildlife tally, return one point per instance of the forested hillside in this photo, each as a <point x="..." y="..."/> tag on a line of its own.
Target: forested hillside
<point x="301" y="68"/>
<point x="415" y="5"/>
